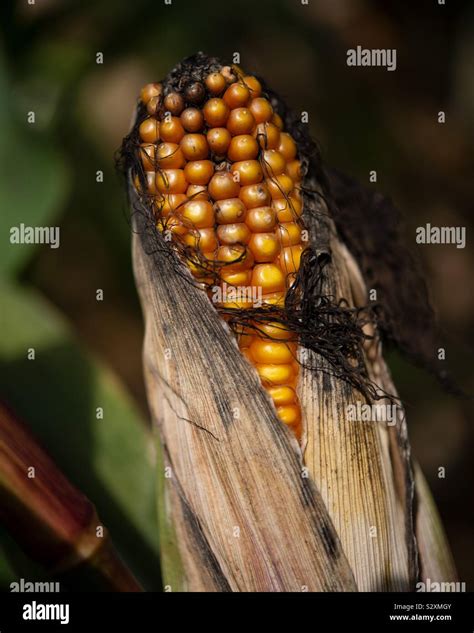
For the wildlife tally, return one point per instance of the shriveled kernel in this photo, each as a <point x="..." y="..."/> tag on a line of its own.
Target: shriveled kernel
<point x="279" y="186"/>
<point x="228" y="74"/>
<point x="269" y="277"/>
<point x="223" y="186"/>
<point x="273" y="162"/>
<point x="229" y="211"/>
<point x="171" y="181"/>
<point x="250" y="172"/>
<point x="216" y="112"/>
<point x="169" y="156"/>
<point x="215" y="83"/>
<point x="233" y="233"/>
<point x="199" y="172"/>
<point x="199" y="213"/>
<point x="282" y="395"/>
<point x="271" y="352"/>
<point x="236" y="95"/>
<point x="192" y="120"/>
<point x="264" y="246"/>
<point x="289" y="233"/>
<point x="149" y="91"/>
<point x="261" y="109"/>
<point x="242" y="147"/>
<point x="195" y="92"/>
<point x="149" y="130"/>
<point x="219" y="140"/>
<point x="194" y="146"/>
<point x="287" y="147"/>
<point x="255" y="195"/>
<point x="174" y="103"/>
<point x="289" y="414"/>
<point x="274" y="374"/>
<point x="171" y="130"/>
<point x="267" y="135"/>
<point x="290" y="258"/>
<point x="240" y="121"/>
<point x="261" y="219"/>
<point x="153" y="105"/>
<point x="254" y="86"/>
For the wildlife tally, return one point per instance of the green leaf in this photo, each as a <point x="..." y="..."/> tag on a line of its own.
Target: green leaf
<point x="33" y="180"/>
<point x="60" y="393"/>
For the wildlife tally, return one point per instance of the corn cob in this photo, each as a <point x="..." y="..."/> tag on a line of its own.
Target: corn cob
<point x="224" y="180"/>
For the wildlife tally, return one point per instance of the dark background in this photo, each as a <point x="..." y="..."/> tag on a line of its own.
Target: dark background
<point x="363" y="118"/>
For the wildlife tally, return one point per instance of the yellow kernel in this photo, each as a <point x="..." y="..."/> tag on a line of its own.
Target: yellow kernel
<point x="242" y="147"/>
<point x="271" y="352"/>
<point x="194" y="146"/>
<point x="269" y="277"/>
<point x="255" y="195"/>
<point x="261" y="219"/>
<point x="199" y="172"/>
<point x="197" y="192"/>
<point x="267" y="135"/>
<point x="289" y="233"/>
<point x="273" y="162"/>
<point x="203" y="239"/>
<point x="289" y="414"/>
<point x="240" y="121"/>
<point x="279" y="186"/>
<point x="233" y="233"/>
<point x="169" y="156"/>
<point x="282" y="395"/>
<point x="223" y="186"/>
<point x="236" y="278"/>
<point x="215" y="83"/>
<point x="236" y="95"/>
<point x="290" y="258"/>
<point x="199" y="213"/>
<point x="287" y="147"/>
<point x="264" y="246"/>
<point x="249" y="171"/>
<point x="275" y="374"/>
<point x="276" y="331"/>
<point x="229" y="211"/>
<point x="236" y="257"/>
<point x="219" y="140"/>
<point x="171" y="203"/>
<point x="293" y="169"/>
<point x="216" y="112"/>
<point x="261" y="109"/>
<point x="171" y="130"/>
<point x="171" y="181"/>
<point x="277" y="120"/>
<point x="149" y="130"/>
